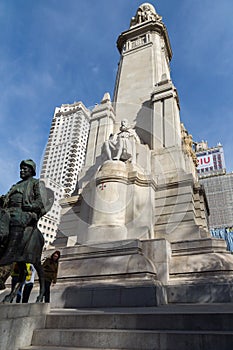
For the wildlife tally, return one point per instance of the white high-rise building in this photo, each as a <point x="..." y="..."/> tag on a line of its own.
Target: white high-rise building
<point x="63" y="159"/>
<point x="48" y="223"/>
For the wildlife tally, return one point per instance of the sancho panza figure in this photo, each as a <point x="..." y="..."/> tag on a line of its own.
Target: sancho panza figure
<point x="22" y="206"/>
<point x="121" y="146"/>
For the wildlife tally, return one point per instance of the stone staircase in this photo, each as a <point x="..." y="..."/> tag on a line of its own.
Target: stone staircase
<point x="178" y="327"/>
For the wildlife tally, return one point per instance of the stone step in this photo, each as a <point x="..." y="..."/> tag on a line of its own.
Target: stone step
<point x="132" y="339"/>
<point x="171" y="327"/>
<point x="34" y="347"/>
<point x="141" y="321"/>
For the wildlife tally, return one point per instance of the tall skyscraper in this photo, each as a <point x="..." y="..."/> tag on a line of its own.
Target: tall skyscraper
<point x="63" y="159"/>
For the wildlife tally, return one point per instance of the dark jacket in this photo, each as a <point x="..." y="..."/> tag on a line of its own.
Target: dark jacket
<point x="50" y="268"/>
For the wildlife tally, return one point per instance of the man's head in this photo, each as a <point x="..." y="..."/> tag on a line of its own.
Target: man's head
<point x="124" y="124"/>
<point x="27" y="169"/>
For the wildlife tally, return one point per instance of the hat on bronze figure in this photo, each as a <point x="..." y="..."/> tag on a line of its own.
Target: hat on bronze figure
<point x="30" y="163"/>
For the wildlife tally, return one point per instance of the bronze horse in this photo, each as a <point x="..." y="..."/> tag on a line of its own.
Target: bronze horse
<point x="20" y="239"/>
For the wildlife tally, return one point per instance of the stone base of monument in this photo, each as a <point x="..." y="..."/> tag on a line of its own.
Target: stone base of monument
<point x="18" y="321"/>
<point x="200" y="292"/>
<point x="200" y="272"/>
<point x="113" y="274"/>
<point x="141" y="273"/>
<point x="140" y="293"/>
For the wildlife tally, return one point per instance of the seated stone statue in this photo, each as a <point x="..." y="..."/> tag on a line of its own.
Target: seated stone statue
<point x="20" y="211"/>
<point x="121" y="146"/>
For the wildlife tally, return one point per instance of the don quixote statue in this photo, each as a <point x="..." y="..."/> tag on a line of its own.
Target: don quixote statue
<point x="20" y="239"/>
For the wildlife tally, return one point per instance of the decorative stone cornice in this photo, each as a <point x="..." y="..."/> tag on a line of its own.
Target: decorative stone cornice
<point x="128" y="178"/>
<point x="176" y="183"/>
<point x="103" y="110"/>
<point x="140" y="29"/>
<point x="163" y="90"/>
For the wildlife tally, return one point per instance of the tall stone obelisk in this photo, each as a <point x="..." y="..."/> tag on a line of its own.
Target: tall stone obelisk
<point x="139" y="217"/>
<point x="145" y="62"/>
<point x="145" y="94"/>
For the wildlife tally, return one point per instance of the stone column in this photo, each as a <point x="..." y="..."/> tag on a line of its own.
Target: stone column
<point x="101" y="126"/>
<point x="109" y="204"/>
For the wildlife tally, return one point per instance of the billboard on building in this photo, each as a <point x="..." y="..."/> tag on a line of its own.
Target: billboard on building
<point x="205" y="161"/>
<point x="210" y="160"/>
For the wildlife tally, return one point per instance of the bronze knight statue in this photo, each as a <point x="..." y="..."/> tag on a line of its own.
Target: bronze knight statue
<point x="20" y="209"/>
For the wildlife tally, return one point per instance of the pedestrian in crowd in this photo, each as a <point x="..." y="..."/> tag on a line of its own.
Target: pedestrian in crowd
<point x="25" y="289"/>
<point x="50" y="267"/>
<point x="14" y="281"/>
<point x="29" y="282"/>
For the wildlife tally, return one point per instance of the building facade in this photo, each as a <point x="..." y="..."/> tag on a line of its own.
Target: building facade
<point x="49" y="222"/>
<point x="219" y="192"/>
<point x="63" y="159"/>
<point x="211" y="160"/>
<point x="218" y="185"/>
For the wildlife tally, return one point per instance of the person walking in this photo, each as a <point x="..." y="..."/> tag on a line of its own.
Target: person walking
<point x="25" y="289"/>
<point x="15" y="280"/>
<point x="29" y="282"/>
<point x="50" y="267"/>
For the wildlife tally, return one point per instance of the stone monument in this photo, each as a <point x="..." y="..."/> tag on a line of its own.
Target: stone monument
<point x="137" y="225"/>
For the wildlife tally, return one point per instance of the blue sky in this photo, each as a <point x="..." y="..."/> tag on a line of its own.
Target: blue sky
<point x="60" y="51"/>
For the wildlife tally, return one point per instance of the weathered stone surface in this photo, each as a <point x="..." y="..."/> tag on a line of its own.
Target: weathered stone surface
<point x="195" y="327"/>
<point x="17" y="323"/>
<point x="156" y="199"/>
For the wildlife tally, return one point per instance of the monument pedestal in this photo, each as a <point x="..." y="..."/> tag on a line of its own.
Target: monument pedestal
<point x="116" y="274"/>
<point x="200" y="272"/>
<point x="140" y="273"/>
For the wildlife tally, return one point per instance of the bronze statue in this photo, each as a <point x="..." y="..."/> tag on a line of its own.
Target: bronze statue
<point x="20" y="209"/>
<point x="5" y="272"/>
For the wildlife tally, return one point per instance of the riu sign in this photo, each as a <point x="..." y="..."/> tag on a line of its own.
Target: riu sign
<point x="205" y="161"/>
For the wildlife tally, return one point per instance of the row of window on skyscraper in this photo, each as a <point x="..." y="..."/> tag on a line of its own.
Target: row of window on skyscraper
<point x="64" y="158"/>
